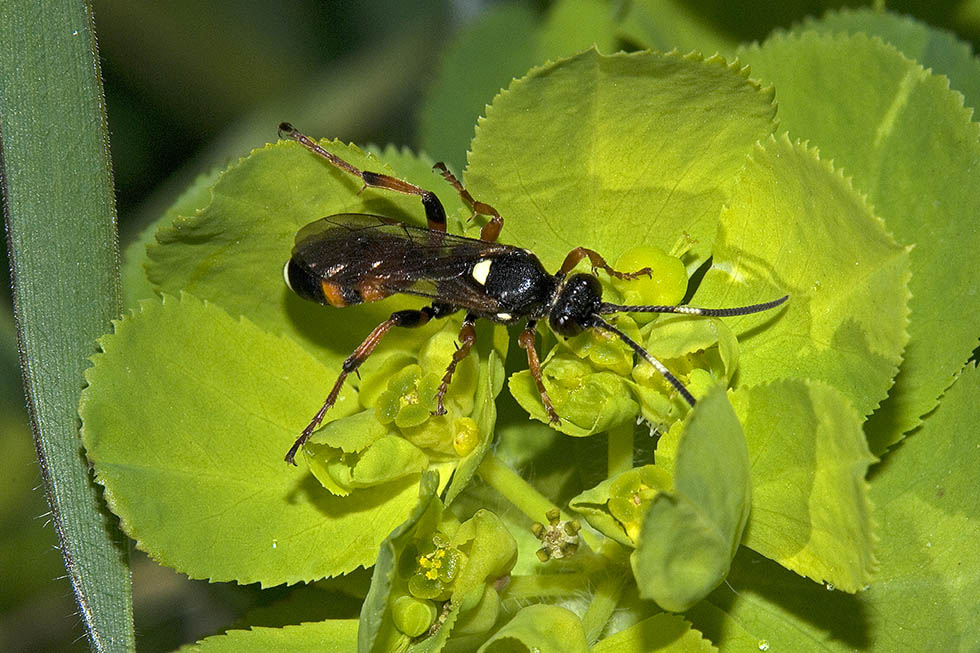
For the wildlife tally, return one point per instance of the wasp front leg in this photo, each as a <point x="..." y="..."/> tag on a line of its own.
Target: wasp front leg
<point x="526" y="342"/>
<point x="597" y="262"/>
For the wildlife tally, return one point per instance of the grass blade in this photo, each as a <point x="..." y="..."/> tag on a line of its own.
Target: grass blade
<point x="61" y="235"/>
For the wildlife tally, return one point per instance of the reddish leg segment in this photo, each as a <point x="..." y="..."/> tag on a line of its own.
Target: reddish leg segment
<point x="526" y="341"/>
<point x="490" y="230"/>
<point x="467" y="336"/>
<point x="597" y="261"/>
<point x="435" y="214"/>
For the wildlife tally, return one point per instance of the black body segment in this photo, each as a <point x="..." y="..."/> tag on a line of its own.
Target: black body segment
<point x="576" y="304"/>
<point x="352" y="258"/>
<point x="365" y="258"/>
<point x="519" y="285"/>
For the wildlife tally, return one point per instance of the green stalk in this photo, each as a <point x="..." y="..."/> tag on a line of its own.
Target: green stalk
<point x="524" y="589"/>
<point x="620" y="449"/>
<point x="604" y="601"/>
<point x="64" y="256"/>
<point x="524" y="496"/>
<point x="515" y="489"/>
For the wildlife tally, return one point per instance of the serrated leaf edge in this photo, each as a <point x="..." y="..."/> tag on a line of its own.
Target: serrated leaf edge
<point x="872" y="563"/>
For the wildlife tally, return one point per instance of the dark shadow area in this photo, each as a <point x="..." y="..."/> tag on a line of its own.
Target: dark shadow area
<point x="834" y="615"/>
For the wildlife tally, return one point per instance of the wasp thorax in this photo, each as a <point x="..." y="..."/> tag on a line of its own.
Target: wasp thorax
<point x="577" y="302"/>
<point x="517" y="281"/>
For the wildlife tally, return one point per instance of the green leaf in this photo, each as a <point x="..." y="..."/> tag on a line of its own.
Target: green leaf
<point x="763" y="607"/>
<point x="135" y="285"/>
<point x="668" y="24"/>
<point x="233" y="251"/>
<point x="709" y="27"/>
<point x="924" y="595"/>
<point x="930" y="526"/>
<point x="602" y="152"/>
<point x="690" y="534"/>
<point x="661" y="632"/>
<point x="811" y="510"/>
<point x="474" y="68"/>
<point x="814" y="237"/>
<point x="933" y="48"/>
<point x="539" y="628"/>
<point x="910" y="145"/>
<point x="59" y="214"/>
<point x="375" y="622"/>
<point x="192" y="463"/>
<point x="337" y="636"/>
<point x="804" y="435"/>
<point x="571" y="26"/>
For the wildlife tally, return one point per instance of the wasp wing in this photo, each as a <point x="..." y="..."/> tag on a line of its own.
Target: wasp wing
<point x="381" y="257"/>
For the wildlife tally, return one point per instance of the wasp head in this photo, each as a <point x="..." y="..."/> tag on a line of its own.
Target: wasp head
<point x="576" y="305"/>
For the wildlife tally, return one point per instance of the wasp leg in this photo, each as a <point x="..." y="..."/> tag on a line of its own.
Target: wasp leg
<point x="435" y="214"/>
<point x="597" y="261"/>
<point x="526" y="341"/>
<point x="467" y="336"/>
<point x="490" y="230"/>
<point x="408" y="319"/>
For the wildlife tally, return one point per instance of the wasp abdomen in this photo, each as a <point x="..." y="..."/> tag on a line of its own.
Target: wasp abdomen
<point x="323" y="291"/>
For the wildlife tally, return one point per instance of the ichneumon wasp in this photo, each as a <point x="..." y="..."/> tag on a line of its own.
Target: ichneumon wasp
<point x="353" y="258"/>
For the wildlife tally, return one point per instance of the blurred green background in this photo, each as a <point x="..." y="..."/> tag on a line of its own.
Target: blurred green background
<point x="190" y="86"/>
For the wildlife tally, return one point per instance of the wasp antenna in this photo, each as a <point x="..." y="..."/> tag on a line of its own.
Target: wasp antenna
<point x="606" y="309"/>
<point x="599" y="323"/>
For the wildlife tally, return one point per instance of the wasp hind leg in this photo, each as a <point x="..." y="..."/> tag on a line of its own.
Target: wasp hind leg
<point x="408" y="319"/>
<point x="435" y="214"/>
<point x="491" y="230"/>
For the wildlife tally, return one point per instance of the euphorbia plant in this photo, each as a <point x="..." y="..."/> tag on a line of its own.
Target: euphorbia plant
<point x="679" y="156"/>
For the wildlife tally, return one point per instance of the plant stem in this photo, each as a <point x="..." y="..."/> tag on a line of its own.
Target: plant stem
<point x="523" y="495"/>
<point x="620" y="447"/>
<point x="515" y="489"/>
<point x="537" y="586"/>
<point x="604" y="602"/>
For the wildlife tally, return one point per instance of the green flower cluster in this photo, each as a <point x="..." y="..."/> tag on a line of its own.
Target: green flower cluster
<point x="632" y="492"/>
<point x="397" y="433"/>
<point x="593" y="379"/>
<point x="447" y="569"/>
<point x="617" y="506"/>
